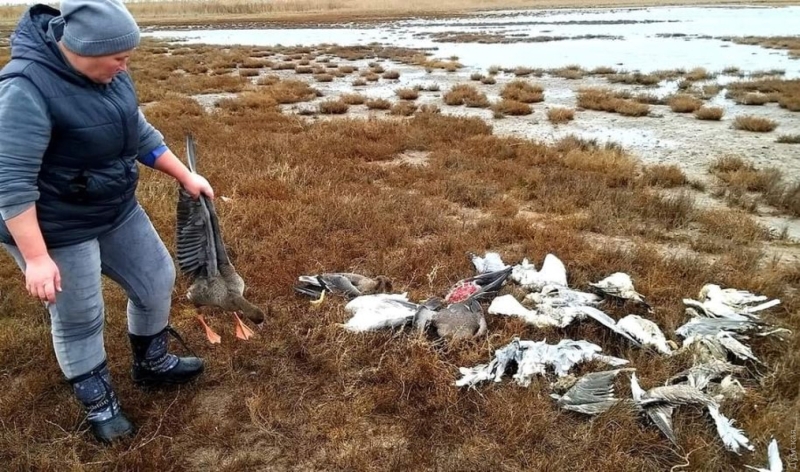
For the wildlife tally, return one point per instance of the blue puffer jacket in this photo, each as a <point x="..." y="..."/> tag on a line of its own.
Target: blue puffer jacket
<point x="88" y="172"/>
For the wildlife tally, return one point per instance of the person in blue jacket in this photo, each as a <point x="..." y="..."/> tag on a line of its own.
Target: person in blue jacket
<point x="71" y="138"/>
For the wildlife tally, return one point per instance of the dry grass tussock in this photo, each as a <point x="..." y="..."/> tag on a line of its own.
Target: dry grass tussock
<point x="522" y="91"/>
<point x="605" y="100"/>
<point x="465" y="94"/>
<point x="785" y="92"/>
<point x="558" y="115"/>
<point x="709" y="113"/>
<point x="304" y="394"/>
<point x="683" y="103"/>
<point x="742" y="179"/>
<point x="758" y="124"/>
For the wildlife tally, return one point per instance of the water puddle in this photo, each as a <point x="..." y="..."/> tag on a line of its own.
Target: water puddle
<point x="650" y="38"/>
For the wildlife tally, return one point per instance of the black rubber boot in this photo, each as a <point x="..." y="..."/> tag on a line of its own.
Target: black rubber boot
<point x="103" y="412"/>
<point x="153" y="366"/>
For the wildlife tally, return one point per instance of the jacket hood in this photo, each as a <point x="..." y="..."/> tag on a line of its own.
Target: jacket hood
<point x="36" y="39"/>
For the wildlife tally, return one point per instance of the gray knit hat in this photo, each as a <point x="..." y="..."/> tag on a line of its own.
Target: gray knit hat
<point x="98" y="27"/>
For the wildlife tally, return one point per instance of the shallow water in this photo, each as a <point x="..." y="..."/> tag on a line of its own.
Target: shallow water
<point x="641" y="48"/>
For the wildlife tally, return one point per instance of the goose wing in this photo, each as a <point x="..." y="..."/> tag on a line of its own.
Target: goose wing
<point x="196" y="242"/>
<point x="592" y="394"/>
<point x="661" y="415"/>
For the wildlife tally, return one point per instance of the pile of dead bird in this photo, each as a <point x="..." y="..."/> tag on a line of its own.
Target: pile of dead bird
<point x="719" y="325"/>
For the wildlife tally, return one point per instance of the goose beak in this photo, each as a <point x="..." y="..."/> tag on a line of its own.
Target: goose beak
<point x="319" y="301"/>
<point x="242" y="331"/>
<point x="212" y="337"/>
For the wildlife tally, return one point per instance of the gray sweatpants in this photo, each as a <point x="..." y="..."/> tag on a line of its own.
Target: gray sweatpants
<point x="133" y="255"/>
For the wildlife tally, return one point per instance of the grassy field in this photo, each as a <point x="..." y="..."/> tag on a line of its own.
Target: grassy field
<point x="334" y="194"/>
<point x="309" y="11"/>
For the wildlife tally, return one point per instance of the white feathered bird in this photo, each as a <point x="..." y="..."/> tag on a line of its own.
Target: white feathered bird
<point x="619" y="285"/>
<point x="372" y="312"/>
<point x="647" y="333"/>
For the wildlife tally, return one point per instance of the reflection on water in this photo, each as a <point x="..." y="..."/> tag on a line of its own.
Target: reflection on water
<point x="644" y="46"/>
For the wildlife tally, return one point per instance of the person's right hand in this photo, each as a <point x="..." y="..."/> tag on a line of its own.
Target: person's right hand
<point x="42" y="278"/>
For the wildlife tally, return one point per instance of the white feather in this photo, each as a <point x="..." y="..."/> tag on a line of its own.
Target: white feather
<point x="732" y="437"/>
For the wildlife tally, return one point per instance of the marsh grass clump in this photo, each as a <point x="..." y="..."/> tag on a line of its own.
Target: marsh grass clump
<point x="464" y="94"/>
<point x="743" y="176"/>
<point x="664" y="175"/>
<point x="407" y="93"/>
<point x="522" y="91"/>
<point x="403" y="108"/>
<point x="476" y="76"/>
<point x="571" y="72"/>
<point x="511" y="107"/>
<point x="333" y="107"/>
<point x="788" y="139"/>
<point x="757" y="124"/>
<point x="709" y="113"/>
<point x="391" y="75"/>
<point x="558" y="115"/>
<point x="488" y="80"/>
<point x="289" y="91"/>
<point x="323" y="77"/>
<point x="378" y="104"/>
<point x="353" y="98"/>
<point x="635" y="78"/>
<point x="605" y="100"/>
<point x="683" y="103"/>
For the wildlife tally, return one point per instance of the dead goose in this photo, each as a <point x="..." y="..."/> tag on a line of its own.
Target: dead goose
<point x="647" y="333"/>
<point x="460" y="320"/>
<point x="202" y="257"/>
<point x="659" y="403"/>
<point x="735" y="298"/>
<point x="378" y="311"/>
<point x="344" y="284"/>
<point x="619" y="286"/>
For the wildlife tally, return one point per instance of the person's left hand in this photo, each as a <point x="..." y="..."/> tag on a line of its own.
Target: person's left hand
<point x="197" y="184"/>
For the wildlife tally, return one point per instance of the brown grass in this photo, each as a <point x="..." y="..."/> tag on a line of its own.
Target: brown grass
<point x="464" y="94"/>
<point x="558" y="115"/>
<point x="522" y="91"/>
<point x="407" y="93"/>
<point x="333" y="107"/>
<point x="323" y="78"/>
<point x="786" y="92"/>
<point x="511" y="107"/>
<point x="741" y="177"/>
<point x="304" y="394"/>
<point x="709" y="113"/>
<point x="403" y="108"/>
<point x="664" y="175"/>
<point x="378" y="104"/>
<point x="757" y="124"/>
<point x="683" y="103"/>
<point x="488" y="80"/>
<point x="605" y="100"/>
<point x="391" y="75"/>
<point x="353" y="98"/>
<point x="789" y="139"/>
